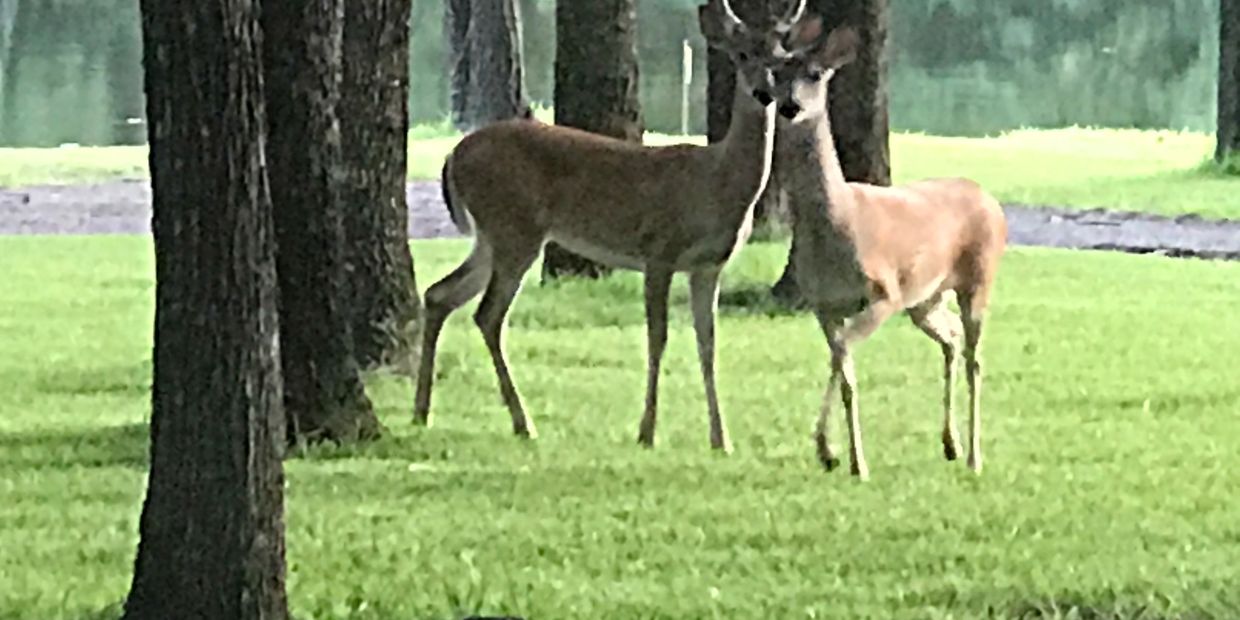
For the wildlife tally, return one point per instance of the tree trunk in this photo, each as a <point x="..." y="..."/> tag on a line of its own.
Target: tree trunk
<point x="858" y="103"/>
<point x="323" y="391"/>
<point x="859" y="93"/>
<point x="1228" y="81"/>
<point x="770" y="212"/>
<point x="484" y="52"/>
<point x="596" y="81"/>
<point x="456" y="39"/>
<point x="381" y="301"/>
<point x="212" y="530"/>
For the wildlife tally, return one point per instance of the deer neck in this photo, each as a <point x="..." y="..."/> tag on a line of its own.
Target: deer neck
<point x="810" y="173"/>
<point x="746" y="152"/>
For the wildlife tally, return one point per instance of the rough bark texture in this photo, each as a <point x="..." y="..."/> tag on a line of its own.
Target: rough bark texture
<point x="770" y="212"/>
<point x="212" y="531"/>
<point x="382" y="302"/>
<point x="484" y="59"/>
<point x="596" y="81"/>
<point x="1229" y="80"/>
<point x="456" y="39"/>
<point x="859" y="122"/>
<point x="323" y="391"/>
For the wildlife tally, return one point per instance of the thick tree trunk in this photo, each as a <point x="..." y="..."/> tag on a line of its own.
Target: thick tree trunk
<point x="1228" y="81"/>
<point x="212" y="531"/>
<point x="596" y="81"/>
<point x="382" y="302"/>
<point x="484" y="52"/>
<point x="859" y="122"/>
<point x="323" y="390"/>
<point x="770" y="212"/>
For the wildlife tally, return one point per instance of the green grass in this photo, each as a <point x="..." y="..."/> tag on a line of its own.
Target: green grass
<point x="1110" y="484"/>
<point x="1153" y="171"/>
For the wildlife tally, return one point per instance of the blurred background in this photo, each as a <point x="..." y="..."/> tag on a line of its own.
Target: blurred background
<point x="70" y="70"/>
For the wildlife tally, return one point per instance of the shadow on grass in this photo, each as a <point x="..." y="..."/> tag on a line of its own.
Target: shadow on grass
<point x="1076" y="609"/>
<point x="754" y="300"/>
<point x="112" y="446"/>
<point x="422" y="446"/>
<point x="1228" y="168"/>
<point x="132" y="380"/>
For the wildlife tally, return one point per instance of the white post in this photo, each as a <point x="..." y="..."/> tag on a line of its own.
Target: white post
<point x="685" y="82"/>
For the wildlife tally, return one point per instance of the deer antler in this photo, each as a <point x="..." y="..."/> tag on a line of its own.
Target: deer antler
<point x="727" y="9"/>
<point x="796" y="13"/>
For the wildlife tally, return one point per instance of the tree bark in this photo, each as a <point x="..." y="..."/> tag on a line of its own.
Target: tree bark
<point x="859" y="122"/>
<point x="323" y="391"/>
<point x="456" y="39"/>
<point x="596" y="89"/>
<point x="212" y="531"/>
<point x="382" y="302"/>
<point x="770" y="211"/>
<point x="484" y="52"/>
<point x="858" y="102"/>
<point x="1228" y="81"/>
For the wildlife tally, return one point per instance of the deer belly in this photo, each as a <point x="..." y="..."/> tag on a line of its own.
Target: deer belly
<point x="715" y="250"/>
<point x="599" y="253"/>
<point x="708" y="253"/>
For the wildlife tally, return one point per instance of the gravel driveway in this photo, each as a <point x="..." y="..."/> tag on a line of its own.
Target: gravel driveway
<point x="123" y="207"/>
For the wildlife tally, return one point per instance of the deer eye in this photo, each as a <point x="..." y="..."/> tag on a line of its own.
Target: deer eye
<point x="815" y="75"/>
<point x="743" y="56"/>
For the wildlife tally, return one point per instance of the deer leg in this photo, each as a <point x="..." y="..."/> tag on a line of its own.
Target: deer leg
<point x="860" y="328"/>
<point x="972" y="316"/>
<point x="842" y="365"/>
<point x="490" y="316"/>
<point x="658" y="282"/>
<point x="442" y="298"/>
<point x="938" y="322"/>
<point x="704" y="297"/>
<point x="822" y="433"/>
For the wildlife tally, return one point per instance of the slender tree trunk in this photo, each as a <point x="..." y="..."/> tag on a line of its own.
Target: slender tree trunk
<point x="8" y="19"/>
<point x="456" y="39"/>
<point x="323" y="391"/>
<point x="484" y="51"/>
<point x="212" y="531"/>
<point x="1228" y="81"/>
<point x="859" y="122"/>
<point x="382" y="302"/>
<point x="771" y="210"/>
<point x="596" y="80"/>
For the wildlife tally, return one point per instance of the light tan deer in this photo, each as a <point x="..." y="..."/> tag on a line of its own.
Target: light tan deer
<point x="864" y="252"/>
<point x="661" y="210"/>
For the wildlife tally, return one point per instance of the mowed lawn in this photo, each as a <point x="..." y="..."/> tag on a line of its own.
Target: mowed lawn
<point x="1110" y="440"/>
<point x="1155" y="171"/>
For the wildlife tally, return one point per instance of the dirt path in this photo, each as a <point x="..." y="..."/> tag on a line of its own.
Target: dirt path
<point x="123" y="207"/>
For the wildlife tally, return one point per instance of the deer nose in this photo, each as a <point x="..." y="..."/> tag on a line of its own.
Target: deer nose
<point x="763" y="97"/>
<point x="789" y="110"/>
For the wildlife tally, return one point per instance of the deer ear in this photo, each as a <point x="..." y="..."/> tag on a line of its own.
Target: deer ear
<point x="840" y="48"/>
<point x="805" y="34"/>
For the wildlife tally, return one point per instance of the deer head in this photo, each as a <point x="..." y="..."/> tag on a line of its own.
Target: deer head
<point x="749" y="47"/>
<point x="802" y="65"/>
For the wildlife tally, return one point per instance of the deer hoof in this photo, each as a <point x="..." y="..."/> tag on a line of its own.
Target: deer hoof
<point x="949" y="451"/>
<point x="826" y="457"/>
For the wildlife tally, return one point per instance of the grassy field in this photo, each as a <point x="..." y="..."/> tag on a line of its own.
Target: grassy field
<point x="1155" y="171"/>
<point x="1109" y="434"/>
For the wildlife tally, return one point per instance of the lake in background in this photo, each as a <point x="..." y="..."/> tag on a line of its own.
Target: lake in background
<point x="70" y="70"/>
